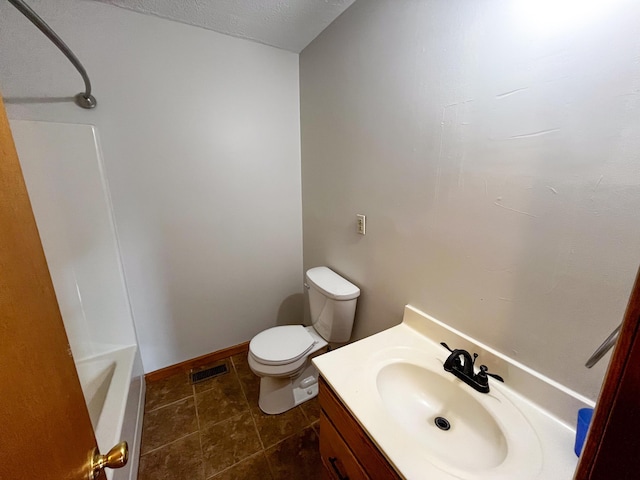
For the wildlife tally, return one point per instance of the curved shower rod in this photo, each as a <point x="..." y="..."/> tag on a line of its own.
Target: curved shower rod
<point x="83" y="99"/>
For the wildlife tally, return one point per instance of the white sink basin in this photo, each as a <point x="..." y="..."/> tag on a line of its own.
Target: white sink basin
<point x="415" y="397"/>
<point x="489" y="438"/>
<point x="395" y="385"/>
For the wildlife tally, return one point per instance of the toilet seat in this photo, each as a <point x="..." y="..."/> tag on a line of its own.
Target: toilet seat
<point x="276" y="371"/>
<point x="281" y="345"/>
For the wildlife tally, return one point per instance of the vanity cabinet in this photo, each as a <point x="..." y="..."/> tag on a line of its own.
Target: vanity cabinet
<point x="346" y="450"/>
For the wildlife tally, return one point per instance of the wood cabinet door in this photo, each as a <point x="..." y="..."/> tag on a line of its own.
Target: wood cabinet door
<point x="46" y="432"/>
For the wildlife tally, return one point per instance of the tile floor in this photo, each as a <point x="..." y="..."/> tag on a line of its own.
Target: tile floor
<point x="215" y="430"/>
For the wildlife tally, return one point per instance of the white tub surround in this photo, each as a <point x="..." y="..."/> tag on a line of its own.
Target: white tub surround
<point x="62" y="167"/>
<point x="535" y="414"/>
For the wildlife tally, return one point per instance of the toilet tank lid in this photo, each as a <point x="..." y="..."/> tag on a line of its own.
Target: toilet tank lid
<point x="332" y="284"/>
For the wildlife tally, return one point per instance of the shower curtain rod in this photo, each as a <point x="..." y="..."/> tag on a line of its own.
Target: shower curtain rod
<point x="83" y="99"/>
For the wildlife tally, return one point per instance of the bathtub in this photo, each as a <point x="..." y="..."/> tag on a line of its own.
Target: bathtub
<point x="114" y="400"/>
<point x="75" y="222"/>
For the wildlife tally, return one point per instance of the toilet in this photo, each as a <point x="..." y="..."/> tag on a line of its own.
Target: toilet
<point x="281" y="356"/>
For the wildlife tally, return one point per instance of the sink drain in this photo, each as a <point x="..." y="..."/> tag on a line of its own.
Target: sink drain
<point x="442" y="423"/>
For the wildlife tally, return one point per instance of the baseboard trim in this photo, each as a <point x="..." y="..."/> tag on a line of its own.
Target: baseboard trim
<point x="196" y="362"/>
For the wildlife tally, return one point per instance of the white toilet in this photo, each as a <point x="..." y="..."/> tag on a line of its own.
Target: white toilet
<point x="281" y="356"/>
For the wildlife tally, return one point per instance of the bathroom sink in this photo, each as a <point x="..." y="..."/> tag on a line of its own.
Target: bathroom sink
<point x="487" y="436"/>
<point x="397" y="389"/>
<point x="440" y="413"/>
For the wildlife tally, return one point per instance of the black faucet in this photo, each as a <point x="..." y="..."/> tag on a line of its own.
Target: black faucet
<point x="461" y="364"/>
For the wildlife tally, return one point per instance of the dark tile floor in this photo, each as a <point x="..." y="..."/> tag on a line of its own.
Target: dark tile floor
<point x="215" y="430"/>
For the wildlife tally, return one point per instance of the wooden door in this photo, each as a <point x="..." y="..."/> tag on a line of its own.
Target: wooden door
<point x="45" y="431"/>
<point x="612" y="449"/>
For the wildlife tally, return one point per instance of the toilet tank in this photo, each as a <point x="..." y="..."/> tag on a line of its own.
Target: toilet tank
<point x="332" y="301"/>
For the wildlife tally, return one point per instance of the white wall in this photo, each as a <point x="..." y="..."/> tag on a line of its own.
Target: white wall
<point x="495" y="149"/>
<point x="200" y="135"/>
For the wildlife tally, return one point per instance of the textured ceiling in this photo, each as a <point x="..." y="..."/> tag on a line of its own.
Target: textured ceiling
<point x="287" y="24"/>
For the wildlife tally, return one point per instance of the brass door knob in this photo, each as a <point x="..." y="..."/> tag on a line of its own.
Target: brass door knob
<point x="116" y="458"/>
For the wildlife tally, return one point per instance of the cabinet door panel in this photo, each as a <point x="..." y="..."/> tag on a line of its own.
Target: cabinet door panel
<point x="335" y="454"/>
<point x="363" y="449"/>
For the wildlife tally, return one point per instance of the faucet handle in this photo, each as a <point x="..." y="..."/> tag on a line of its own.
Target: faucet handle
<point x="482" y="375"/>
<point x="446" y="346"/>
<point x="454" y="362"/>
<point x="475" y="355"/>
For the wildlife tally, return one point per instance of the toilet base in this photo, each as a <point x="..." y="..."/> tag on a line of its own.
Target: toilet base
<point x="279" y="394"/>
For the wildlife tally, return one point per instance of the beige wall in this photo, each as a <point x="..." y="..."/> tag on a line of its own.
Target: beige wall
<point x="495" y="149"/>
<point x="201" y="145"/>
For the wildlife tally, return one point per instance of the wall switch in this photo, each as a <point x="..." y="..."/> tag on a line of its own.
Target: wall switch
<point x="362" y="224"/>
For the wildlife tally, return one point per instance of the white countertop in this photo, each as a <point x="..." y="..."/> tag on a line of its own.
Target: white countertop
<point x="548" y="455"/>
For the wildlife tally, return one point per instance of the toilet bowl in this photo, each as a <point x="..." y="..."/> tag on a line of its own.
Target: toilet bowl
<point x="281" y="355"/>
